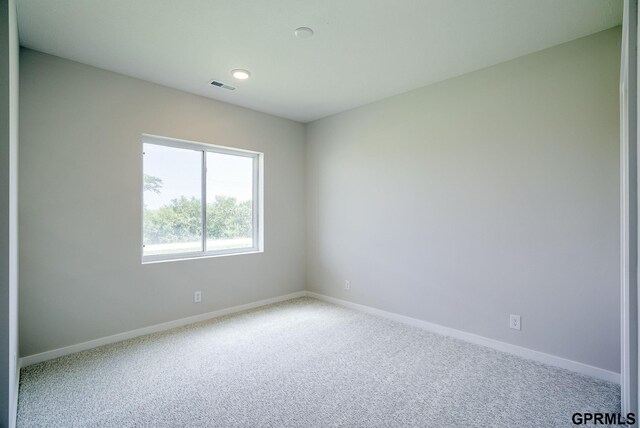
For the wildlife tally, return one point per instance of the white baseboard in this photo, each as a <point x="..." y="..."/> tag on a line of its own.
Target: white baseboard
<point x="527" y="353"/>
<point x="542" y="357"/>
<point x="72" y="349"/>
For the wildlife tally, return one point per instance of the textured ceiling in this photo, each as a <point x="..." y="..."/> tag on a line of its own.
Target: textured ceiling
<point x="362" y="50"/>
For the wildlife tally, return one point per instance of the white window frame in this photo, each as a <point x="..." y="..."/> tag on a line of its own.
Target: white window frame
<point x="258" y="166"/>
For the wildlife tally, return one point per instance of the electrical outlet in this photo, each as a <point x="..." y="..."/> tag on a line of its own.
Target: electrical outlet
<point x="514" y="322"/>
<point x="347" y="285"/>
<point x="197" y="297"/>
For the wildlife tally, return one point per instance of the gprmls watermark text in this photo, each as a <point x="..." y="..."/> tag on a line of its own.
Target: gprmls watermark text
<point x="603" y="419"/>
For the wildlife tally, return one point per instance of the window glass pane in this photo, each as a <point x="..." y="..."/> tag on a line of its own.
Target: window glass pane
<point x="229" y="202"/>
<point x="172" y="200"/>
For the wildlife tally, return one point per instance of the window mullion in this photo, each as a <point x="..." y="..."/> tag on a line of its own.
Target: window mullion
<point x="204" y="201"/>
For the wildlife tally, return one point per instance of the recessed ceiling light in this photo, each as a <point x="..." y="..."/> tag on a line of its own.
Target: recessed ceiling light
<point x="303" y="32"/>
<point x="240" y="74"/>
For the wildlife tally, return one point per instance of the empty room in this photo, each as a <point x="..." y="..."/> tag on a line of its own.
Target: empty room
<point x="297" y="213"/>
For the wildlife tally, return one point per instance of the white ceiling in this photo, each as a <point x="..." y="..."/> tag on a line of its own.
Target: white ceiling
<point x="362" y="50"/>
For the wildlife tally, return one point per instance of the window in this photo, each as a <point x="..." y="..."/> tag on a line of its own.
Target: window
<point x="199" y="200"/>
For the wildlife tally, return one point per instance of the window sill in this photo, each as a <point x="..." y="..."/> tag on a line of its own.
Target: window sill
<point x="177" y="258"/>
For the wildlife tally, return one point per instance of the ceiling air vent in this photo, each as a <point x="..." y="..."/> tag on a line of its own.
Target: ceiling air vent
<point x="221" y="85"/>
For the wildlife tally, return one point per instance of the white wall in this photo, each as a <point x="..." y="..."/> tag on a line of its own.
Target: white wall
<point x="8" y="214"/>
<point x="81" y="277"/>
<point x="488" y="194"/>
